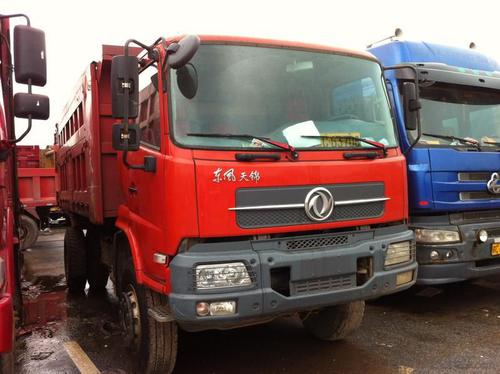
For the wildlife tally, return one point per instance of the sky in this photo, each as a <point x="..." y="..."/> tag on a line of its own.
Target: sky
<point x="76" y="30"/>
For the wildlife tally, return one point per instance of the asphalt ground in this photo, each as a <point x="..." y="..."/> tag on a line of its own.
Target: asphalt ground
<point x="446" y="329"/>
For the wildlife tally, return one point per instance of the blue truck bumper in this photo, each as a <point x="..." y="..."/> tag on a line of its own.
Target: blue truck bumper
<point x="287" y="280"/>
<point x="469" y="258"/>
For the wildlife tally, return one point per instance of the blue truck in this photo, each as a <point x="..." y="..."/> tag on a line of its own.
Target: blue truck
<point x="447" y="109"/>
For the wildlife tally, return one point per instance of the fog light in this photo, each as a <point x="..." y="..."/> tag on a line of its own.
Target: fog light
<point x="403" y="278"/>
<point x="448" y="254"/>
<point x="482" y="236"/>
<point x="434" y="255"/>
<point x="436" y="236"/>
<point x="222" y="308"/>
<point x="398" y="253"/>
<point x="232" y="274"/>
<point x="203" y="309"/>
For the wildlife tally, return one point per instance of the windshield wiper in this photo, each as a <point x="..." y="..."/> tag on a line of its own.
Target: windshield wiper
<point x="284" y="146"/>
<point x="370" y="142"/>
<point x="473" y="142"/>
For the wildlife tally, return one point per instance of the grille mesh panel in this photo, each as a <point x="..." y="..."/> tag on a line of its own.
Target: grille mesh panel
<point x="320" y="285"/>
<point x="281" y="217"/>
<point x="317" y="242"/>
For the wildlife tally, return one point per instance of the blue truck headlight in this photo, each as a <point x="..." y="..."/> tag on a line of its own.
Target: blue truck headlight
<point x="397" y="253"/>
<point x="233" y="274"/>
<point x="428" y="236"/>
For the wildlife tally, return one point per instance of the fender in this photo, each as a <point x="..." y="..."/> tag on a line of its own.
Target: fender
<point x="123" y="222"/>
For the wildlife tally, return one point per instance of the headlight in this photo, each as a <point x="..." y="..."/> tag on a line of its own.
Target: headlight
<point x="232" y="274"/>
<point x="436" y="236"/>
<point x="398" y="253"/>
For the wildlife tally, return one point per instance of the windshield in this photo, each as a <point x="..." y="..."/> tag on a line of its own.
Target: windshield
<point x="301" y="98"/>
<point x="454" y="111"/>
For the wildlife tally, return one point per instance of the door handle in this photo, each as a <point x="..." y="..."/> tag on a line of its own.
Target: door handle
<point x="132" y="189"/>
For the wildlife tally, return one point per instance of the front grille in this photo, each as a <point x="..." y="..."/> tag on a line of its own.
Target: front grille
<point x="317" y="242"/>
<point x="473" y="177"/>
<point x="465" y="217"/>
<point x="282" y="217"/>
<point x="321" y="285"/>
<point x="466" y="196"/>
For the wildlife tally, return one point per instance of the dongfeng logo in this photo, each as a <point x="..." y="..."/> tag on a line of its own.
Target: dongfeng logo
<point x="494" y="184"/>
<point x="319" y="204"/>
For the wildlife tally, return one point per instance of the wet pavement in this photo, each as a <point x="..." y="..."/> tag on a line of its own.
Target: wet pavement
<point x="455" y="328"/>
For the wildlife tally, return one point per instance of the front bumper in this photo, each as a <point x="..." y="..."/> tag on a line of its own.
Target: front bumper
<point x="6" y="324"/>
<point x="289" y="280"/>
<point x="470" y="259"/>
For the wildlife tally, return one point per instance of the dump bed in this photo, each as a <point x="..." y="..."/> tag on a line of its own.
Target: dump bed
<point x="37" y="186"/>
<point x="86" y="163"/>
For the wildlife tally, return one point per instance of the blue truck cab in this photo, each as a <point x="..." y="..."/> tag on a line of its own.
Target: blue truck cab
<point x="447" y="109"/>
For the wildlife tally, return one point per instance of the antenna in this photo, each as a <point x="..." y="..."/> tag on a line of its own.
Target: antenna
<point x="397" y="34"/>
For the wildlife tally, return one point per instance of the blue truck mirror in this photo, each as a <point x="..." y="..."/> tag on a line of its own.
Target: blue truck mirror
<point x="411" y="105"/>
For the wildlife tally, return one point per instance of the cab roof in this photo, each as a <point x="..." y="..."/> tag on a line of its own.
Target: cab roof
<point x="398" y="52"/>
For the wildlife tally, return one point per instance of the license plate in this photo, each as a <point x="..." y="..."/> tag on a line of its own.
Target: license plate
<point x="495" y="249"/>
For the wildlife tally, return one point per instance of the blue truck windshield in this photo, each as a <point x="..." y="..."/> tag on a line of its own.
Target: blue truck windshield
<point x="302" y="98"/>
<point x="456" y="111"/>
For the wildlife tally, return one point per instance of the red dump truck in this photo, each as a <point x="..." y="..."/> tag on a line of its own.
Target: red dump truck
<point x="30" y="68"/>
<point x="37" y="191"/>
<point x="231" y="182"/>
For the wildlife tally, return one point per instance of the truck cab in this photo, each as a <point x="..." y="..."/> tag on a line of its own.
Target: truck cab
<point x="254" y="179"/>
<point x="453" y="155"/>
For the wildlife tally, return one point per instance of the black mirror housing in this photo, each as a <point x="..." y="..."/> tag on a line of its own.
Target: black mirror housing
<point x="31" y="105"/>
<point x="29" y="56"/>
<point x="179" y="54"/>
<point x="119" y="137"/>
<point x="411" y="105"/>
<point x="125" y="77"/>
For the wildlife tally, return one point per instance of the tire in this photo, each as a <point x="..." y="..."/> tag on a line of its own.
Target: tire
<point x="97" y="272"/>
<point x="335" y="322"/>
<point x="155" y="347"/>
<point x="75" y="260"/>
<point x="28" y="231"/>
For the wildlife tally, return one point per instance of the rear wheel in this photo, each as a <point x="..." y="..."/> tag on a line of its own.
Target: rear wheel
<point x="97" y="272"/>
<point x="75" y="260"/>
<point x="28" y="231"/>
<point x="153" y="343"/>
<point x="335" y="322"/>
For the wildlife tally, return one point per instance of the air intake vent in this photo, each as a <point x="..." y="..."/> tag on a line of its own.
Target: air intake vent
<point x="329" y="241"/>
<point x="321" y="285"/>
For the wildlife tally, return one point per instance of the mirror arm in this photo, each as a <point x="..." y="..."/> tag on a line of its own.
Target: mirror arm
<point x="15" y="141"/>
<point x="28" y="22"/>
<point x="417" y="93"/>
<point x="125" y="117"/>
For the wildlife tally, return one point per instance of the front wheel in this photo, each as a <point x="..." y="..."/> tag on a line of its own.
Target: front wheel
<point x="334" y="322"/>
<point x="153" y="343"/>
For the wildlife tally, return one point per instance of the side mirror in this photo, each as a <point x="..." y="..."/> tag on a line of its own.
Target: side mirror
<point x="36" y="106"/>
<point x="179" y="54"/>
<point x="125" y="77"/>
<point x="29" y="56"/>
<point x="187" y="80"/>
<point x="119" y="137"/>
<point x="411" y="105"/>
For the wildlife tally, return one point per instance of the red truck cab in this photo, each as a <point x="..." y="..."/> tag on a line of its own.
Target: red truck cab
<point x="259" y="179"/>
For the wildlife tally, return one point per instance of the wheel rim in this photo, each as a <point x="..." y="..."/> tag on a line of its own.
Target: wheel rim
<point x="131" y="317"/>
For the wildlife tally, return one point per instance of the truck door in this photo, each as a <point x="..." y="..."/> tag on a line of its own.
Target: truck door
<point x="144" y="190"/>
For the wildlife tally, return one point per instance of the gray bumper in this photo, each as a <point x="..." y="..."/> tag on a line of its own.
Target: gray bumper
<point x="470" y="259"/>
<point x="317" y="277"/>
